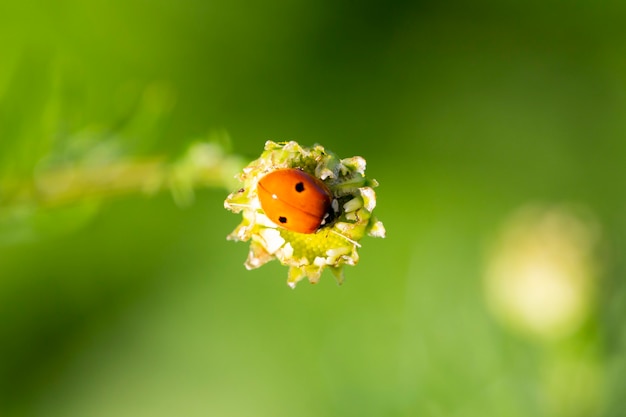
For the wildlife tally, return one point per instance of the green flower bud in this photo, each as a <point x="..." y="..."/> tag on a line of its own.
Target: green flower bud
<point x="336" y="241"/>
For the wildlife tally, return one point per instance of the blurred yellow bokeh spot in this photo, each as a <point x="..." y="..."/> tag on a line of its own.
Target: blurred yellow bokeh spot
<point x="541" y="272"/>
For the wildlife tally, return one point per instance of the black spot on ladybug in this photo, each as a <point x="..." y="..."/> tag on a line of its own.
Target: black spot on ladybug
<point x="300" y="187"/>
<point x="282" y="219"/>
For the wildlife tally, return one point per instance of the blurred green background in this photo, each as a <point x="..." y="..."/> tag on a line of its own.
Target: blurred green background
<point x="466" y="111"/>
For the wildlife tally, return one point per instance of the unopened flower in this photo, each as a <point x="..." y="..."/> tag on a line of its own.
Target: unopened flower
<point x="306" y="208"/>
<point x="541" y="274"/>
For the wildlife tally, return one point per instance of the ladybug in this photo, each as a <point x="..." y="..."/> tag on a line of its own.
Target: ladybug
<point x="295" y="200"/>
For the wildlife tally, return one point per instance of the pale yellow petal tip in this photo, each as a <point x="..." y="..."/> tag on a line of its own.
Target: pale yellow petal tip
<point x="335" y="243"/>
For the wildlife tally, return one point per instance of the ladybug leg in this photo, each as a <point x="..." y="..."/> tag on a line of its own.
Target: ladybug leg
<point x="331" y="215"/>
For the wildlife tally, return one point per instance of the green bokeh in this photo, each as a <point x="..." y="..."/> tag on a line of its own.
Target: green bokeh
<point x="465" y="111"/>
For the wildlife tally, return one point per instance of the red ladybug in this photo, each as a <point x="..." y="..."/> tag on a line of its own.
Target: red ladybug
<point x="295" y="200"/>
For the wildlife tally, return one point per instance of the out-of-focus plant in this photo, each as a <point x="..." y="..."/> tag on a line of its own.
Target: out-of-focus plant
<point x="72" y="189"/>
<point x="57" y="167"/>
<point x="541" y="282"/>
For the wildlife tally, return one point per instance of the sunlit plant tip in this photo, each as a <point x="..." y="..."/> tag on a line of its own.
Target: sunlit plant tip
<point x="305" y="207"/>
